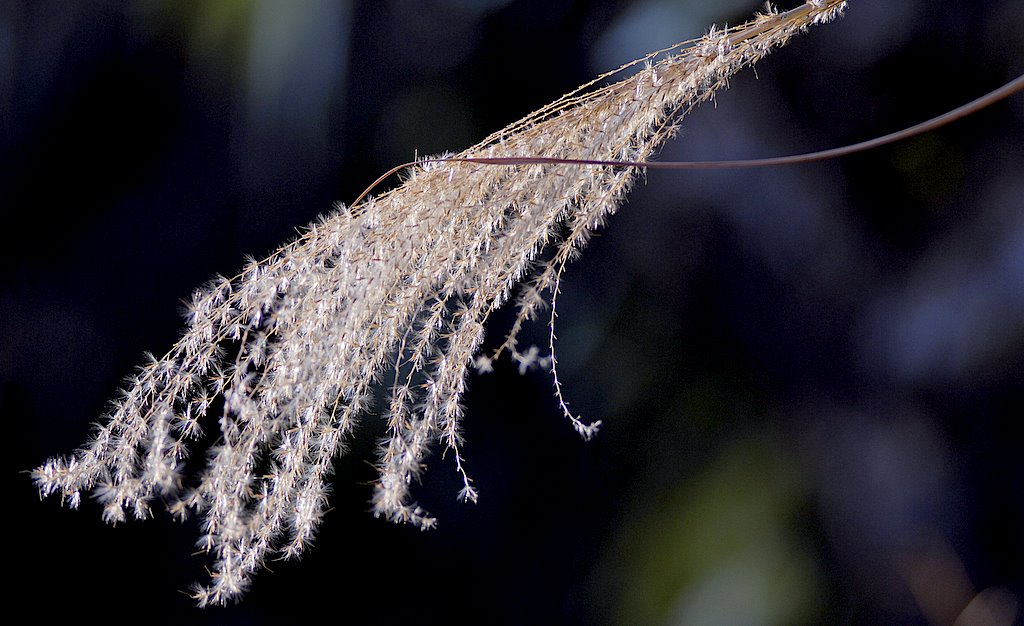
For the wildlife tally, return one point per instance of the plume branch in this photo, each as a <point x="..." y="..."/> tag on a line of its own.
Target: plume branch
<point x="396" y="289"/>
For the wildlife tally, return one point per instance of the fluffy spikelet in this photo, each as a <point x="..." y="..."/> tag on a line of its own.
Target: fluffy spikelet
<point x="396" y="290"/>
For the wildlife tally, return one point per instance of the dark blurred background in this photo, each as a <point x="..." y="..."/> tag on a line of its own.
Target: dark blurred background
<point x="810" y="377"/>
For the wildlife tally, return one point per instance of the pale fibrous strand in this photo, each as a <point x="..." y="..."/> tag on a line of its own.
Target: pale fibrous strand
<point x="278" y="363"/>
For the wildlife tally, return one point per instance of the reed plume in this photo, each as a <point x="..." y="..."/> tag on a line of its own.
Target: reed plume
<point x="395" y="290"/>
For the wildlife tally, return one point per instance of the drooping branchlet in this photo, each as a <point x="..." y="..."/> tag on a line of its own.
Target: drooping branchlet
<point x="394" y="291"/>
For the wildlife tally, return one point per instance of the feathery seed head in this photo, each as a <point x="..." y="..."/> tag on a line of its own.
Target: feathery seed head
<point x="401" y="284"/>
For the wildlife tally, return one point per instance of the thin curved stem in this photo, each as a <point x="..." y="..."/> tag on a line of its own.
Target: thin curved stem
<point x="970" y="108"/>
